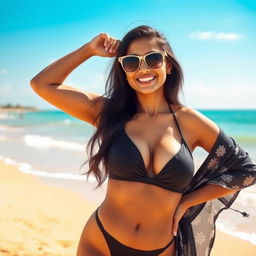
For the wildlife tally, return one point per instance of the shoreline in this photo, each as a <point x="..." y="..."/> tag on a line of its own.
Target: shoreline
<point x="45" y="220"/>
<point x="17" y="109"/>
<point x="39" y="219"/>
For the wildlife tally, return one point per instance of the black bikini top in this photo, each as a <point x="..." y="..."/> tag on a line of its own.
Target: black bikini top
<point x="126" y="163"/>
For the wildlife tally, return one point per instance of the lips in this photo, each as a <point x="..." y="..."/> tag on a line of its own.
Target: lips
<point x="146" y="79"/>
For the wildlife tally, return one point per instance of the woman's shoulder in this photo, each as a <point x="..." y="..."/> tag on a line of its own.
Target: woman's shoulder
<point x="187" y="113"/>
<point x="184" y="110"/>
<point x="193" y="116"/>
<point x="202" y="127"/>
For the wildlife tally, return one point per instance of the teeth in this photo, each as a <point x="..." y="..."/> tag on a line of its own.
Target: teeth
<point x="146" y="79"/>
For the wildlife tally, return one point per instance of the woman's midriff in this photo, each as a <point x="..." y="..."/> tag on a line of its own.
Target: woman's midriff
<point x="139" y="215"/>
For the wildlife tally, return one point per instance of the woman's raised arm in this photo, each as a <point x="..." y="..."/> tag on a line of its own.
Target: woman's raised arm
<point x="48" y="84"/>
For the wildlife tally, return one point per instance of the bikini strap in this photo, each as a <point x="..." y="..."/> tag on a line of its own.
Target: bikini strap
<point x="169" y="244"/>
<point x="176" y="122"/>
<point x="98" y="220"/>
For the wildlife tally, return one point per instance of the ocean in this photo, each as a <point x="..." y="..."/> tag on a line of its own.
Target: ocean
<point x="52" y="145"/>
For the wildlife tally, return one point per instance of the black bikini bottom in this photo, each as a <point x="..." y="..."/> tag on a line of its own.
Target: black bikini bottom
<point x="118" y="249"/>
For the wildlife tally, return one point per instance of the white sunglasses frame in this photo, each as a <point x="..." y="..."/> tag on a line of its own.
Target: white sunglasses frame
<point x="140" y="57"/>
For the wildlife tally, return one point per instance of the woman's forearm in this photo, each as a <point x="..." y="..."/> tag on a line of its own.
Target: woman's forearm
<point x="57" y="71"/>
<point x="201" y="195"/>
<point x="204" y="194"/>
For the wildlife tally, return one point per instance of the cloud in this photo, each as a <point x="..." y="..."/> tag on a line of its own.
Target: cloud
<point x="234" y="95"/>
<point x="3" y="71"/>
<point x="217" y="36"/>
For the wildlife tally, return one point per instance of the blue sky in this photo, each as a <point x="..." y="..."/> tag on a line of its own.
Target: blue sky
<point x="214" y="41"/>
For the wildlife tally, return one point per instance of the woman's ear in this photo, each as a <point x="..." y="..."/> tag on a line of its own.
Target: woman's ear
<point x="168" y="68"/>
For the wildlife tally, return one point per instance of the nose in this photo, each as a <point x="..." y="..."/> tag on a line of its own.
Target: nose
<point x="143" y="65"/>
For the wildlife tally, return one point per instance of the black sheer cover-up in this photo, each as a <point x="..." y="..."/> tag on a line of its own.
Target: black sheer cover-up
<point x="229" y="166"/>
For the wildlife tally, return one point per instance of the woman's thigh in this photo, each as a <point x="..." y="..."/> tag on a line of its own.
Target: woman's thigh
<point x="92" y="241"/>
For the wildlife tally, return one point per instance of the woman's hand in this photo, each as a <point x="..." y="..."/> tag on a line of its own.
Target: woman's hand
<point x="180" y="211"/>
<point x="104" y="45"/>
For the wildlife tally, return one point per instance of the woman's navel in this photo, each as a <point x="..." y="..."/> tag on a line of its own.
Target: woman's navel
<point x="137" y="227"/>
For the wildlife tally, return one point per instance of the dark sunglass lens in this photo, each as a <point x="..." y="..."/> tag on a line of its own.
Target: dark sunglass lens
<point x="154" y="60"/>
<point x="130" y="64"/>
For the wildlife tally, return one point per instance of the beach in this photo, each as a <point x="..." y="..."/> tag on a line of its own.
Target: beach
<point x="38" y="219"/>
<point x="45" y="201"/>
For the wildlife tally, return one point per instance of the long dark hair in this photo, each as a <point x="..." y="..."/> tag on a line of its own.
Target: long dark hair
<point x="121" y="104"/>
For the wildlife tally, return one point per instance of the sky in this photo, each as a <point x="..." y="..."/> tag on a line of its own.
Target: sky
<point x="213" y="40"/>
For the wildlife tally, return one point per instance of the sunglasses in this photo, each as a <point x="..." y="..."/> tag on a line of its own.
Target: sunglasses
<point x="153" y="60"/>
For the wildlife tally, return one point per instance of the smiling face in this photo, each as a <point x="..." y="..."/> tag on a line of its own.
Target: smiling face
<point x="146" y="80"/>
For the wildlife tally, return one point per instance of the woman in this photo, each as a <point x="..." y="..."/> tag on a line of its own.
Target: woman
<point x="146" y="141"/>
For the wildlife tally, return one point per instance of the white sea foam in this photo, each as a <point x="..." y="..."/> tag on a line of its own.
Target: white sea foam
<point x="6" y="116"/>
<point x="9" y="128"/>
<point x="26" y="168"/>
<point x="67" y="121"/>
<point x="234" y="223"/>
<point x="38" y="141"/>
<point x="241" y="235"/>
<point x="247" y="197"/>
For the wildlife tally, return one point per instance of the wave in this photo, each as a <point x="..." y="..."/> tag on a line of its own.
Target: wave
<point x="241" y="235"/>
<point x="10" y="128"/>
<point x="67" y="122"/>
<point x="243" y="228"/>
<point x="6" y="116"/>
<point x="27" y="168"/>
<point x="38" y="141"/>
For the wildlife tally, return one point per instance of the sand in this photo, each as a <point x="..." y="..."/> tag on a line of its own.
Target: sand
<point x="37" y="219"/>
